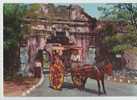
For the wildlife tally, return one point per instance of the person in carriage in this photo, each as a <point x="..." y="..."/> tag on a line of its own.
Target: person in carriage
<point x="56" y="75"/>
<point x="75" y="67"/>
<point x="75" y="58"/>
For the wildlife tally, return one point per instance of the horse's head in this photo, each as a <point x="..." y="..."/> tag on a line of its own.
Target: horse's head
<point x="108" y="69"/>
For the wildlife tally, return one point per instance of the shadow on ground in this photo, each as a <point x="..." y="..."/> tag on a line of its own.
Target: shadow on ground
<point x="92" y="91"/>
<point x="70" y="86"/>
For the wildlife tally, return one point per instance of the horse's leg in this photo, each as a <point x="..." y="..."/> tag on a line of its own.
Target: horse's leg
<point x="84" y="82"/>
<point x="98" y="82"/>
<point x="72" y="77"/>
<point x="103" y="85"/>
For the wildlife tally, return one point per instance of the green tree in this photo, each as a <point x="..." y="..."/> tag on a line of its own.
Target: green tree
<point x="13" y="14"/>
<point x="120" y="12"/>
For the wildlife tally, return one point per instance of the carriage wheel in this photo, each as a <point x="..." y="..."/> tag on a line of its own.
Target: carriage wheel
<point x="76" y="81"/>
<point x="56" y="77"/>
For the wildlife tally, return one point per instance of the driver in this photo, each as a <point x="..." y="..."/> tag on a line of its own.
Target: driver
<point x="75" y="58"/>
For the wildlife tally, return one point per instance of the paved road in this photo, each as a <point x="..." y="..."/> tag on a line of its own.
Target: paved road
<point x="113" y="89"/>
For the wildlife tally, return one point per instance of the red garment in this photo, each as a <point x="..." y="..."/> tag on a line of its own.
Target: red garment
<point x="56" y="75"/>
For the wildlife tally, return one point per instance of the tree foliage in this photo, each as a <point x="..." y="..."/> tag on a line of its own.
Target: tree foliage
<point x="120" y="12"/>
<point x="119" y="42"/>
<point x="13" y="15"/>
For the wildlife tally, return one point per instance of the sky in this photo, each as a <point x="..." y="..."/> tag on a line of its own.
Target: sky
<point x="91" y="8"/>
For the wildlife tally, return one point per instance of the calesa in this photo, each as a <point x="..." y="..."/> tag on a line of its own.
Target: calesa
<point x="80" y="74"/>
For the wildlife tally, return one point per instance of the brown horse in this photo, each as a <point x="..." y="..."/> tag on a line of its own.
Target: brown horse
<point x="80" y="75"/>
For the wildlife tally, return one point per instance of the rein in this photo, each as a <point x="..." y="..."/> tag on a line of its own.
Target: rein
<point x="106" y="69"/>
<point x="102" y="69"/>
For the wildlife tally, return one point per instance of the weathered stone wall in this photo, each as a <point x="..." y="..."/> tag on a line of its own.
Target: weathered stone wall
<point x="78" y="29"/>
<point x="130" y="59"/>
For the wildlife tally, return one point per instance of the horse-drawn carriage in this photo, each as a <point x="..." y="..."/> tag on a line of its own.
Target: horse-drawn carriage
<point x="79" y="73"/>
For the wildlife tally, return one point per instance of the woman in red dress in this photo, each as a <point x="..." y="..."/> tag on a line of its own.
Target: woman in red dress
<point x="56" y="75"/>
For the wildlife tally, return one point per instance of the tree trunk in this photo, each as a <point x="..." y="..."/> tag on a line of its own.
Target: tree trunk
<point x="11" y="62"/>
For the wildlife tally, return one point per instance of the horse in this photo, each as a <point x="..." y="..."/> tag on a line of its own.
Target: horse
<point x="81" y="74"/>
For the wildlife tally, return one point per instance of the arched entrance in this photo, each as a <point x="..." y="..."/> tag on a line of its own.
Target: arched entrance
<point x="46" y="59"/>
<point x="91" y="54"/>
